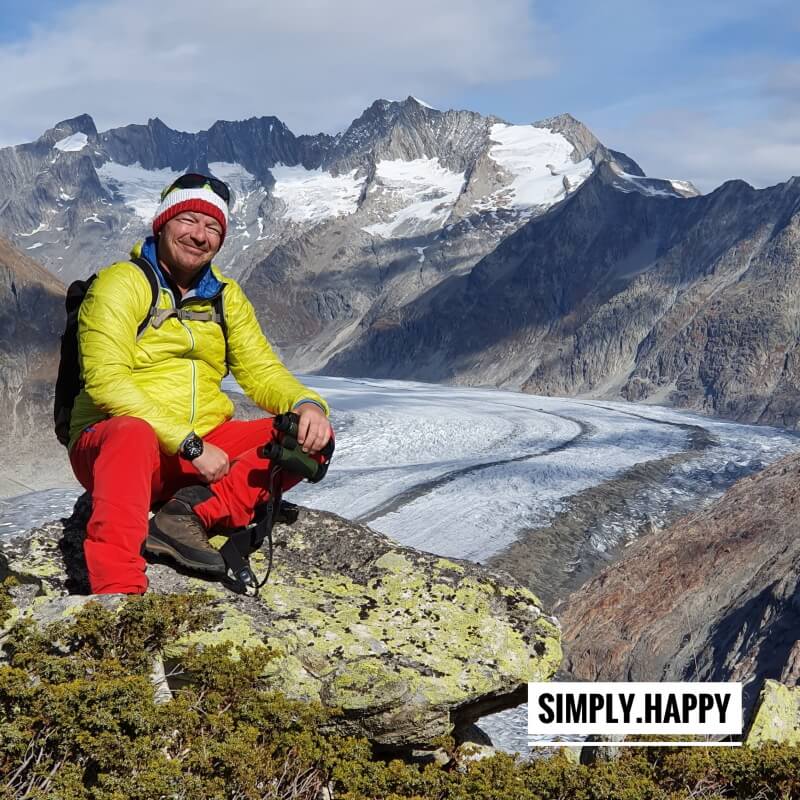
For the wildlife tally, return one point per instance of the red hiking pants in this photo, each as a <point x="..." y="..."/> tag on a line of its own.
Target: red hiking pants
<point x="118" y="461"/>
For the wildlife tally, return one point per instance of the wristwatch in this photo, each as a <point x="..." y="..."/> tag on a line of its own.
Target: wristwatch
<point x="191" y="447"/>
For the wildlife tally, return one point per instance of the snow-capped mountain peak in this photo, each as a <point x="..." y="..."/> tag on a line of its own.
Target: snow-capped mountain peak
<point x="406" y="196"/>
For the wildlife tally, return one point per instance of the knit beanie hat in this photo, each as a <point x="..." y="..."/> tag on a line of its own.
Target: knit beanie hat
<point x="199" y="197"/>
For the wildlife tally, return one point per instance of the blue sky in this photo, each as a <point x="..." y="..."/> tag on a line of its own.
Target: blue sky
<point x="704" y="90"/>
<point x="17" y="18"/>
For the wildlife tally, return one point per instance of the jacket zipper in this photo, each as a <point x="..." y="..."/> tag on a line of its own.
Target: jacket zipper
<point x="176" y="304"/>
<point x="194" y="371"/>
<point x="180" y="304"/>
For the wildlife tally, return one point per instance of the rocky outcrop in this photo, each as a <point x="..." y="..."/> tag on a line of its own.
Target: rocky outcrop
<point x="776" y="717"/>
<point x="713" y="597"/>
<point x="407" y="644"/>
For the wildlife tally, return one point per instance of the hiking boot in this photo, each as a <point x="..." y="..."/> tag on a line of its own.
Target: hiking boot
<point x="176" y="531"/>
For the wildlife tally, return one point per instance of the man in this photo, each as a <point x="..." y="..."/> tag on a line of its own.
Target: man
<point x="151" y="422"/>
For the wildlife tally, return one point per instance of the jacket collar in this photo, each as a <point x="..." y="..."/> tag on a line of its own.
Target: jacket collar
<point x="205" y="286"/>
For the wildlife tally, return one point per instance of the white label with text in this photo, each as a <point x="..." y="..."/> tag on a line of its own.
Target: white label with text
<point x="634" y="708"/>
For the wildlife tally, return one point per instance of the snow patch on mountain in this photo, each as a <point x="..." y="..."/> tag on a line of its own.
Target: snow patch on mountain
<point x="138" y="187"/>
<point x="652" y="187"/>
<point x="73" y="143"/>
<point x="422" y="191"/>
<point x="42" y="226"/>
<point x="313" y="195"/>
<point x="685" y="187"/>
<point x="243" y="184"/>
<point x="424" y="104"/>
<point x="539" y="163"/>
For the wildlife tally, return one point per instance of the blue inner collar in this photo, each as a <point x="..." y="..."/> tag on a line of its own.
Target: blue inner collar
<point x="206" y="285"/>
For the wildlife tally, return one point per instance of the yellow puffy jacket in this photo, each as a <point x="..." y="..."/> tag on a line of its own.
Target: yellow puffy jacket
<point x="171" y="376"/>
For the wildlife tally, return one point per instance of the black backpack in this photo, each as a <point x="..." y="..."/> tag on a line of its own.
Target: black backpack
<point x="68" y="383"/>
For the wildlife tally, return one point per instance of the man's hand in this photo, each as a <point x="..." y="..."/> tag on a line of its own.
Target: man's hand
<point x="212" y="463"/>
<point x="313" y="430"/>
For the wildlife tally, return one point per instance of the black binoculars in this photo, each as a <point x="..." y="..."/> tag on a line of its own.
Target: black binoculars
<point x="285" y="450"/>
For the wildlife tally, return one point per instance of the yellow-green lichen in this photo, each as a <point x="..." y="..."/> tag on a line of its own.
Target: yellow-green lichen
<point x="236" y="628"/>
<point x="298" y="543"/>
<point x="286" y="671"/>
<point x="40" y="561"/>
<point x="295" y="676"/>
<point x="211" y="589"/>
<point x="394" y="562"/>
<point x="446" y="564"/>
<point x="543" y="667"/>
<point x="400" y="633"/>
<point x="520" y="592"/>
<point x="547" y="628"/>
<point x="359" y="685"/>
<point x="217" y="541"/>
<point x="777" y="718"/>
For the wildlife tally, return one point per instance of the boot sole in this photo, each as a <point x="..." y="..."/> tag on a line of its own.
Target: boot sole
<point x="155" y="547"/>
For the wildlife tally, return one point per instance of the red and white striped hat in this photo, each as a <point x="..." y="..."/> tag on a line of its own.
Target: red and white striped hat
<point x="177" y="199"/>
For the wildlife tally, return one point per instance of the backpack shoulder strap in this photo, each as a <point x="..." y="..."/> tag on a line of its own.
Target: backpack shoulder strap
<point x="219" y="308"/>
<point x="218" y="304"/>
<point x="147" y="268"/>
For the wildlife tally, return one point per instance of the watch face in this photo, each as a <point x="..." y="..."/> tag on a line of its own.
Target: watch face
<point x="192" y="447"/>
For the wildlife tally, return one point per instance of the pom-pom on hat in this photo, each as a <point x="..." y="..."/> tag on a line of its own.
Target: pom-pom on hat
<point x="193" y="192"/>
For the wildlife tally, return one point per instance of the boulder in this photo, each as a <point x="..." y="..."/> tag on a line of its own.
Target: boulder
<point x="407" y="644"/>
<point x="777" y="715"/>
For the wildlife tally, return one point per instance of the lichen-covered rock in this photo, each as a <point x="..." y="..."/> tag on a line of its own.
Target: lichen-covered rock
<point x="407" y="644"/>
<point x="777" y="715"/>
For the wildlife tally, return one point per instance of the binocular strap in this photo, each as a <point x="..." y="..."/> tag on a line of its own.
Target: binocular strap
<point x="240" y="544"/>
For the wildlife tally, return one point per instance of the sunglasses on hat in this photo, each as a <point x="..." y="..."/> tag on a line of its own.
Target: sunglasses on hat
<point x="194" y="180"/>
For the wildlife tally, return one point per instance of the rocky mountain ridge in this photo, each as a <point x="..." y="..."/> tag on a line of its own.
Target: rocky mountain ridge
<point x="31" y="320"/>
<point x="77" y="187"/>
<point x="620" y="294"/>
<point x="328" y="232"/>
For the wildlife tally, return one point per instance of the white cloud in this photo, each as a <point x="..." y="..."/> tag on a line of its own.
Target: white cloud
<point x="698" y="146"/>
<point x="706" y="91"/>
<point x="314" y="64"/>
<point x="739" y="119"/>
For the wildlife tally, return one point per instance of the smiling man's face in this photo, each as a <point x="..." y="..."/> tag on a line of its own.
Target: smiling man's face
<point x="187" y="243"/>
